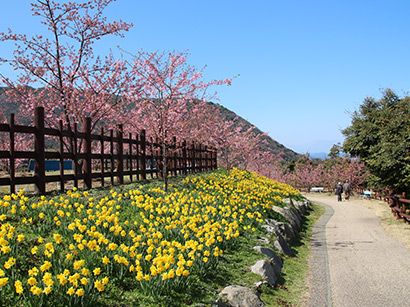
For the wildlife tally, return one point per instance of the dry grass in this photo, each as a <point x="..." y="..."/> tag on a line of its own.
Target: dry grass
<point x="396" y="228"/>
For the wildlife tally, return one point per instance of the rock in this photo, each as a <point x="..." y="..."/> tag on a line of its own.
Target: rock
<point x="286" y="230"/>
<point x="280" y="242"/>
<point x="290" y="216"/>
<point x="307" y="204"/>
<point x="292" y="206"/>
<point x="300" y="205"/>
<point x="271" y="222"/>
<point x="269" y="229"/>
<point x="264" y="269"/>
<point x="263" y="240"/>
<point x="282" y="245"/>
<point x="238" y="296"/>
<point x="275" y="260"/>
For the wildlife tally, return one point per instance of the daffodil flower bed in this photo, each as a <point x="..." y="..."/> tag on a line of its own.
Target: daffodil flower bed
<point x="69" y="250"/>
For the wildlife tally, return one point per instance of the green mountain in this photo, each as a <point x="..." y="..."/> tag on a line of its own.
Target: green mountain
<point x="270" y="144"/>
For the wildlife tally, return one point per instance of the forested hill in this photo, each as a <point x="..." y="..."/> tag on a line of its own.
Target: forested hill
<point x="271" y="145"/>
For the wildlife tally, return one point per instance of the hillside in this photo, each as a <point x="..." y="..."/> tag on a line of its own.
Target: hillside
<point x="272" y="145"/>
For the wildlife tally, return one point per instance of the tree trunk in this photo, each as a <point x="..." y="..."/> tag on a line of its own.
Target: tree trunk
<point x="164" y="166"/>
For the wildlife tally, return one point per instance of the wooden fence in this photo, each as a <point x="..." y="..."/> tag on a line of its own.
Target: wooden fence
<point x="398" y="203"/>
<point x="97" y="156"/>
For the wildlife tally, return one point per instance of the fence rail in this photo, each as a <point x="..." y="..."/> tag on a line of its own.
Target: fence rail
<point x="97" y="156"/>
<point x="398" y="203"/>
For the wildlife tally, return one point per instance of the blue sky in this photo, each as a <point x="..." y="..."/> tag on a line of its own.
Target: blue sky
<point x="303" y="65"/>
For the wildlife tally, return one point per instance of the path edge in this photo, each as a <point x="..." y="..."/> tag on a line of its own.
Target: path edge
<point x="319" y="279"/>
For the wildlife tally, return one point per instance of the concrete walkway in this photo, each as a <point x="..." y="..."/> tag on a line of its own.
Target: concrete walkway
<point x="354" y="261"/>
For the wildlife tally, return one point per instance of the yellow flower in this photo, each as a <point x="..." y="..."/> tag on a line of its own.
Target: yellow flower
<point x="45" y="266"/>
<point x="112" y="246"/>
<point x="35" y="290"/>
<point x="47" y="279"/>
<point x="62" y="278"/>
<point x="57" y="238"/>
<point x="79" y="292"/>
<point x="139" y="276"/>
<point x="78" y="264"/>
<point x="31" y="281"/>
<point x="97" y="271"/>
<point x="84" y="272"/>
<point x="49" y="246"/>
<point x="47" y="290"/>
<point x="3" y="281"/>
<point x="19" y="286"/>
<point x="105" y="260"/>
<point x="9" y="263"/>
<point x="171" y="273"/>
<point x="5" y="249"/>
<point x="33" y="272"/>
<point x="99" y="286"/>
<point x="70" y="291"/>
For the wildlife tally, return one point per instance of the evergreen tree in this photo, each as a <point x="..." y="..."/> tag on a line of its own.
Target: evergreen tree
<point x="380" y="136"/>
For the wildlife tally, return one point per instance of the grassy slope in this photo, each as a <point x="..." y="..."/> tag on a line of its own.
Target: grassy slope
<point x="232" y="268"/>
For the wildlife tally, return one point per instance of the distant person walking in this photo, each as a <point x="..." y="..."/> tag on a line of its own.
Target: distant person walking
<point x="339" y="191"/>
<point x="347" y="189"/>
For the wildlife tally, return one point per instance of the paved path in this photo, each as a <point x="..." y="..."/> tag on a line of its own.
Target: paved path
<point x="354" y="261"/>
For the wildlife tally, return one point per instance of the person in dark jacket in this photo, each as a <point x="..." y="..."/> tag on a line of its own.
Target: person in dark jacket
<point x="339" y="191"/>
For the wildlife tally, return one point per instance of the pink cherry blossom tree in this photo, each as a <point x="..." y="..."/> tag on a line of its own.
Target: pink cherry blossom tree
<point x="167" y="92"/>
<point x="341" y="169"/>
<point x="75" y="83"/>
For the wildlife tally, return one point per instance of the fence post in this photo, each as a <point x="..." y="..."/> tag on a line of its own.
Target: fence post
<point x="61" y="151"/>
<point x="129" y="160"/>
<point x="120" y="154"/>
<point x="39" y="146"/>
<point x="143" y="155"/>
<point x="215" y="159"/>
<point x="102" y="156"/>
<point x="173" y="157"/>
<point x="207" y="158"/>
<point x="86" y="129"/>
<point x="12" y="168"/>
<point x="184" y="158"/>
<point x="112" y="155"/>
<point x="194" y="156"/>
<point x="75" y="156"/>
<point x="201" y="160"/>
